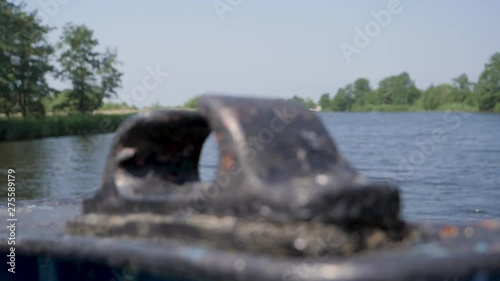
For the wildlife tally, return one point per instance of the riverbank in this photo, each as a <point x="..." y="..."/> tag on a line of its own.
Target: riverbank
<point x="454" y="107"/>
<point x="18" y="128"/>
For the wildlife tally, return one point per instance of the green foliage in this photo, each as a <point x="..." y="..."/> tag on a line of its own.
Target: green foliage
<point x="344" y="99"/>
<point x="355" y="95"/>
<point x="457" y="107"/>
<point x="192" y="103"/>
<point x="56" y="102"/>
<point x="488" y="86"/>
<point x="116" y="106"/>
<point x="497" y="107"/>
<point x="325" y="102"/>
<point x="399" y="89"/>
<point x="433" y="97"/>
<point x="446" y="94"/>
<point x="25" y="64"/>
<point x="399" y="93"/>
<point x="93" y="75"/>
<point x="383" y="108"/>
<point x="362" y="92"/>
<point x="462" y="83"/>
<point x="24" y="61"/>
<point x="309" y="103"/>
<point x="16" y="128"/>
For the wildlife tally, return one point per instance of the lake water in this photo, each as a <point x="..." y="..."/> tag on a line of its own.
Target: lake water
<point x="447" y="165"/>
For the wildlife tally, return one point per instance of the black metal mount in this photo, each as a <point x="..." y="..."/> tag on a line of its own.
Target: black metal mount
<point x="280" y="178"/>
<point x="276" y="161"/>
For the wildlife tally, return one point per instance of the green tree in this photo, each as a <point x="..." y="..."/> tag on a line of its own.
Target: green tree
<point x="94" y="76"/>
<point x="298" y="99"/>
<point x="488" y="87"/>
<point x="462" y="83"/>
<point x="399" y="90"/>
<point x="463" y="92"/>
<point x="309" y="103"/>
<point x="434" y="97"/>
<point x="362" y="90"/>
<point x="7" y="23"/>
<point x="24" y="60"/>
<point x="325" y="102"/>
<point x="117" y="106"/>
<point x="192" y="103"/>
<point x="344" y="99"/>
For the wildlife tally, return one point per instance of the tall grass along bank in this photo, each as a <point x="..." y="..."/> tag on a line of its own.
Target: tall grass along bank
<point x="17" y="128"/>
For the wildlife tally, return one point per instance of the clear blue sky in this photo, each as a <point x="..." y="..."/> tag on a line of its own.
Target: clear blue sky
<point x="282" y="48"/>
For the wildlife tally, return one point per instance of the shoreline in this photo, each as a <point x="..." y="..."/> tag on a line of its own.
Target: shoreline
<point x="20" y="129"/>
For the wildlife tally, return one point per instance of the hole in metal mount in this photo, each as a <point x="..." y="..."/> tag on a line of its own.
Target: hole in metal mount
<point x="209" y="159"/>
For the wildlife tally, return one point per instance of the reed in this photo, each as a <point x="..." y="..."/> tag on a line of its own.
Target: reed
<point x="17" y="128"/>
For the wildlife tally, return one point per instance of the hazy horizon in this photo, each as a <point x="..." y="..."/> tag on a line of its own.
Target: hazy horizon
<point x="281" y="49"/>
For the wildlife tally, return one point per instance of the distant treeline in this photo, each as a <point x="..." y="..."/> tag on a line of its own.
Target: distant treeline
<point x="399" y="93"/>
